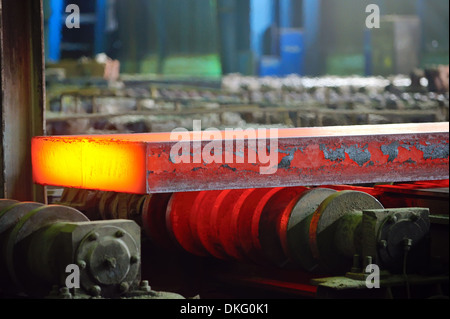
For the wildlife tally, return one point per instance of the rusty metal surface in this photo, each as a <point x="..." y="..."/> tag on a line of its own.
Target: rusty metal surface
<point x="143" y="163"/>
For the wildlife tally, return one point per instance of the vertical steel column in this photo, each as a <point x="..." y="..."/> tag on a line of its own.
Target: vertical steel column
<point x="55" y="25"/>
<point x="100" y="26"/>
<point x="162" y="36"/>
<point x="312" y="25"/>
<point x="243" y="38"/>
<point x="22" y="99"/>
<point x="227" y="21"/>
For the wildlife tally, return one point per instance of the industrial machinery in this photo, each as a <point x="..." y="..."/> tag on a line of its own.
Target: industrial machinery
<point x="326" y="216"/>
<point x="320" y="230"/>
<point x="41" y="245"/>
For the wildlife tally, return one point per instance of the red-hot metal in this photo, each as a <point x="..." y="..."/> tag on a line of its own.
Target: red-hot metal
<point x="145" y="163"/>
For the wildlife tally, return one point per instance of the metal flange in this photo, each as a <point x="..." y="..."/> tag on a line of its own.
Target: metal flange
<point x="324" y="224"/>
<point x="109" y="257"/>
<point x="295" y="241"/>
<point x="401" y="236"/>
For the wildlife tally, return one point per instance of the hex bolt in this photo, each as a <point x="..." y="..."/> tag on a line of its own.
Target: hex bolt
<point x="120" y="233"/>
<point x="383" y="243"/>
<point x="111" y="262"/>
<point x="134" y="259"/>
<point x="356" y="264"/>
<point x="94" y="236"/>
<point x="82" y="264"/>
<point x="124" y="287"/>
<point x="145" y="286"/>
<point x="393" y="219"/>
<point x="407" y="244"/>
<point x="95" y="291"/>
<point x="368" y="260"/>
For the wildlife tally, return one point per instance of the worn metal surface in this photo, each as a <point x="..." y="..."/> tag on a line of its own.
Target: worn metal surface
<point x="23" y="269"/>
<point x="22" y="100"/>
<point x="399" y="237"/>
<point x="109" y="256"/>
<point x="10" y="213"/>
<point x="143" y="163"/>
<point x="39" y="241"/>
<point x="348" y="288"/>
<point x="23" y="225"/>
<point x="325" y="224"/>
<point x="296" y="239"/>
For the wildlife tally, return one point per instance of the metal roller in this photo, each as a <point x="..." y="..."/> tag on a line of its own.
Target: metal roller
<point x="178" y="214"/>
<point x="254" y="250"/>
<point x="245" y="216"/>
<point x="206" y="230"/>
<point x="34" y="254"/>
<point x="226" y="222"/>
<point x="9" y="217"/>
<point x="154" y="224"/>
<point x="319" y="230"/>
<point x="273" y="223"/>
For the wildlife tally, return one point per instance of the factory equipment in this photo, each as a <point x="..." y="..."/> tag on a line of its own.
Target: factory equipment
<point x="42" y="246"/>
<point x="305" y="217"/>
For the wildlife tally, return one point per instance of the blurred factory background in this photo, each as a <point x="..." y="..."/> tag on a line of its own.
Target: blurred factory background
<point x="252" y="37"/>
<point x="254" y="53"/>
